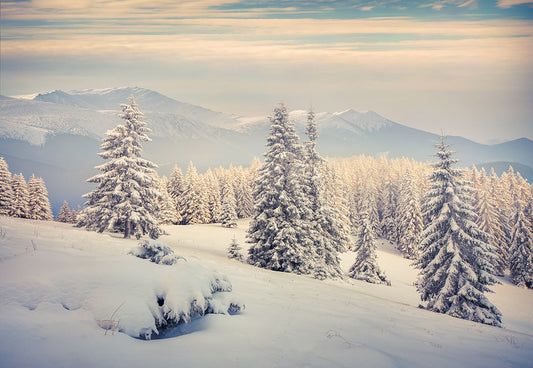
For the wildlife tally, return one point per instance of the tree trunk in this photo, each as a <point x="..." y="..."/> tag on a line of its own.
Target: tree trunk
<point x="127" y="229"/>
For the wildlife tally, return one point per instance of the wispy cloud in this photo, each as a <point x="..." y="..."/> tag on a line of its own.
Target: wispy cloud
<point x="510" y="3"/>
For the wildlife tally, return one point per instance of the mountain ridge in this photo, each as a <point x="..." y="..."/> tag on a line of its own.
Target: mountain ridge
<point x="74" y="123"/>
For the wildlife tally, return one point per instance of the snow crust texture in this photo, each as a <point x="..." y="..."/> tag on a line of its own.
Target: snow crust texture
<point x="52" y="295"/>
<point x="142" y="298"/>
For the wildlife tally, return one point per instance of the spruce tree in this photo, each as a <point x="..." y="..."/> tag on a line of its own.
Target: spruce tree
<point x="279" y="230"/>
<point x="228" y="215"/>
<point x="212" y="196"/>
<point x="521" y="252"/>
<point x="456" y="262"/>
<point x="365" y="266"/>
<point x="194" y="199"/>
<point x="125" y="199"/>
<point x="389" y="212"/>
<point x="502" y="232"/>
<point x="326" y="231"/>
<point x="234" y="251"/>
<point x="21" y="196"/>
<point x="175" y="188"/>
<point x="167" y="208"/>
<point x="38" y="203"/>
<point x="6" y="189"/>
<point x="64" y="215"/>
<point x="243" y="195"/>
<point x="487" y="221"/>
<point x="74" y="215"/>
<point x="410" y="224"/>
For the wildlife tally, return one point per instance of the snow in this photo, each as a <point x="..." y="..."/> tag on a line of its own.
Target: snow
<point x="289" y="320"/>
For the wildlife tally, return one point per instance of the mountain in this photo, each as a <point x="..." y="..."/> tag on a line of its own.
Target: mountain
<point x="57" y="134"/>
<point x="151" y="102"/>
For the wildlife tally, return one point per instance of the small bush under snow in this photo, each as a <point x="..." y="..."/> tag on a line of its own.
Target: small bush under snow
<point x="156" y="251"/>
<point x="121" y="292"/>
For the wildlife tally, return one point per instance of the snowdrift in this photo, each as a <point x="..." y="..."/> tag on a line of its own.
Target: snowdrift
<point x="122" y="292"/>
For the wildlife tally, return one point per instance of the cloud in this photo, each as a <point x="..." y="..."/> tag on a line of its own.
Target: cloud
<point x="509" y="3"/>
<point x="467" y="3"/>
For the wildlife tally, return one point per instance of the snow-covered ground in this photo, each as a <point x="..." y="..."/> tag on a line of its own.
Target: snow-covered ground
<point x="56" y="281"/>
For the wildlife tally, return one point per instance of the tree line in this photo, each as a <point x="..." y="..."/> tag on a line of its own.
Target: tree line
<point x="20" y="199"/>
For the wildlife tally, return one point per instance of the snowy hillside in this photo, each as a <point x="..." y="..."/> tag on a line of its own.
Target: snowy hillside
<point x="289" y="320"/>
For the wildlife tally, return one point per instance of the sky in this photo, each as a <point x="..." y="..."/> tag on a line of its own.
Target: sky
<point x="463" y="67"/>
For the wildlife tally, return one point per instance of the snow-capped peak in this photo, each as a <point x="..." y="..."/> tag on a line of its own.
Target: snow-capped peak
<point x="100" y="91"/>
<point x="350" y="112"/>
<point x="367" y="121"/>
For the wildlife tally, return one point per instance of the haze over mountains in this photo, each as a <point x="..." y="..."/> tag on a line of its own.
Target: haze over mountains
<point x="57" y="135"/>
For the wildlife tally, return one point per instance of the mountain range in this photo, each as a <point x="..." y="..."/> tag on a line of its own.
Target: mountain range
<point x="57" y="134"/>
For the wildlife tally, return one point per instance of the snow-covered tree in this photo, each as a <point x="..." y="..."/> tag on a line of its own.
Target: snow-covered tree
<point x="243" y="195"/>
<point x="194" y="199"/>
<point x="125" y="199"/>
<point x="234" y="251"/>
<point x="175" y="188"/>
<point x="409" y="217"/>
<point x="212" y="196"/>
<point x="326" y="231"/>
<point x="167" y="208"/>
<point x="38" y="203"/>
<point x="368" y="201"/>
<point x="21" y="196"/>
<point x="6" y="189"/>
<point x="64" y="214"/>
<point x="365" y="266"/>
<point x="335" y="198"/>
<point x="279" y="230"/>
<point x="389" y="207"/>
<point x="456" y="262"/>
<point x="228" y="215"/>
<point x="502" y="232"/>
<point x="521" y="252"/>
<point x="75" y="213"/>
<point x="488" y="221"/>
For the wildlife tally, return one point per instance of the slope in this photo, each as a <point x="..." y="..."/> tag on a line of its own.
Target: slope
<point x="289" y="321"/>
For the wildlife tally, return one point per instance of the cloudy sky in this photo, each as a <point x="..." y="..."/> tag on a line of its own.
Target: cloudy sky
<point x="461" y="66"/>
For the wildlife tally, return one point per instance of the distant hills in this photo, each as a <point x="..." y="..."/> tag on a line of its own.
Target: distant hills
<point x="57" y="135"/>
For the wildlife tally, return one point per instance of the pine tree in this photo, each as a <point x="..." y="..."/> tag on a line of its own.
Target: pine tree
<point x="487" y="221"/>
<point x="389" y="212"/>
<point x="368" y="201"/>
<point x="194" y="199"/>
<point x="38" y="203"/>
<point x="335" y="197"/>
<point x="234" y="251"/>
<point x="125" y="199"/>
<point x="21" y="196"/>
<point x="167" y="213"/>
<point x="521" y="252"/>
<point x="326" y="232"/>
<point x="502" y="234"/>
<point x="409" y="216"/>
<point x="279" y="230"/>
<point x="243" y="195"/>
<point x="74" y="215"/>
<point x="212" y="196"/>
<point x="175" y="188"/>
<point x="455" y="261"/>
<point x="365" y="266"/>
<point x="64" y="215"/>
<point x="228" y="215"/>
<point x="6" y="189"/>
